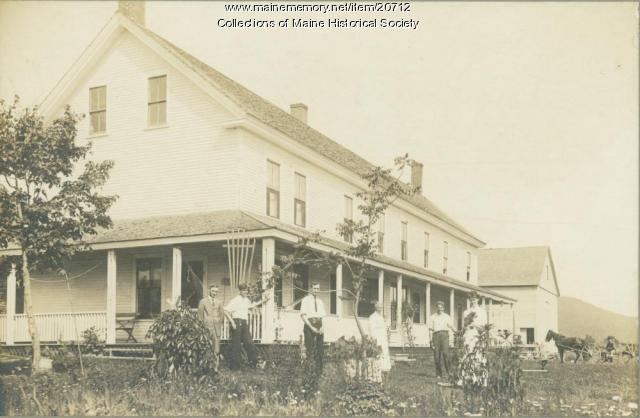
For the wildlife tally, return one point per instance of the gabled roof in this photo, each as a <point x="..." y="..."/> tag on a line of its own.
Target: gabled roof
<point x="254" y="105"/>
<point x="272" y="115"/>
<point x="513" y="266"/>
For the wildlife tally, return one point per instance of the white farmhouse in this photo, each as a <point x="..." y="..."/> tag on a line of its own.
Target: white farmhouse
<point x="197" y="156"/>
<point x="526" y="274"/>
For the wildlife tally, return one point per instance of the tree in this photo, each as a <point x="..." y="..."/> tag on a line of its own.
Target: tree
<point x="384" y="187"/>
<point x="46" y="209"/>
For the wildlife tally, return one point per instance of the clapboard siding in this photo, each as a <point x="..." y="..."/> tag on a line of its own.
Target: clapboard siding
<point x="325" y="207"/>
<point x="188" y="166"/>
<point x="87" y="293"/>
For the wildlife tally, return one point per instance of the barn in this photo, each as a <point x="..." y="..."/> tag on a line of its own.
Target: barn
<point x="526" y="274"/>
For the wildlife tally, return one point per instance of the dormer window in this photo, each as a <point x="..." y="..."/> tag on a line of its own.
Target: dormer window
<point x="157" y="103"/>
<point x="98" y="110"/>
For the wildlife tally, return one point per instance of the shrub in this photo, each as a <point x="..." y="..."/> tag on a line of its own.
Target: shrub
<point x="182" y="344"/>
<point x="92" y="344"/>
<point x="361" y="397"/>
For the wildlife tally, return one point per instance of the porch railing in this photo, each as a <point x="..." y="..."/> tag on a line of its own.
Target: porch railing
<point x="255" y="327"/>
<point x="54" y="327"/>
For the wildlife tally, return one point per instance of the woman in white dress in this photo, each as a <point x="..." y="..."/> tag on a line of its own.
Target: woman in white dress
<point x="473" y="365"/>
<point x="378" y="332"/>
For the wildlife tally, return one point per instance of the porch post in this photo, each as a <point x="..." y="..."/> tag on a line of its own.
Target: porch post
<point x="399" y="318"/>
<point x="111" y="296"/>
<point x="468" y="303"/>
<point x="381" y="289"/>
<point x="427" y="305"/>
<point x="11" y="306"/>
<point x="176" y="276"/>
<point x="339" y="290"/>
<point x="451" y="303"/>
<point x="269" y="307"/>
<point x="489" y="311"/>
<point x="484" y="302"/>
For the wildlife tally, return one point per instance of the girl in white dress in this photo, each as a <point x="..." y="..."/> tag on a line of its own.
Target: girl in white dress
<point x="378" y="332"/>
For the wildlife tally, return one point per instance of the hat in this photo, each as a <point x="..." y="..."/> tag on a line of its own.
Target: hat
<point x="440" y="303"/>
<point x="378" y="304"/>
<point x="473" y="295"/>
<point x="242" y="286"/>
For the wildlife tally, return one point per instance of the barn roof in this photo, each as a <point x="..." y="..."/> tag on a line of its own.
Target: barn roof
<point x="521" y="266"/>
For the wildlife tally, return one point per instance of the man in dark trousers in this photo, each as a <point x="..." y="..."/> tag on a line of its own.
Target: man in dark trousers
<point x="211" y="313"/>
<point x="237" y="313"/>
<point x="439" y="325"/>
<point x="312" y="311"/>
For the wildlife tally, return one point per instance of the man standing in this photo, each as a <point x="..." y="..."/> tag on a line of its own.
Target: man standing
<point x="312" y="311"/>
<point x="211" y="313"/>
<point x="237" y="313"/>
<point x="439" y="325"/>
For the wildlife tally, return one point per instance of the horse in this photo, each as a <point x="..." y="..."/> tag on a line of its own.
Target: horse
<point x="577" y="345"/>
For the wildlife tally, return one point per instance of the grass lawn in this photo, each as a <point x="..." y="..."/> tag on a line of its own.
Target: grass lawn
<point x="117" y="387"/>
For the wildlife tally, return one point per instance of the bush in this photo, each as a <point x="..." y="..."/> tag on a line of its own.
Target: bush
<point x="361" y="397"/>
<point x="92" y="344"/>
<point x="182" y="344"/>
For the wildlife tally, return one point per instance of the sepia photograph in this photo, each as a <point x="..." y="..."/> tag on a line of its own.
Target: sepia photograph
<point x="319" y="208"/>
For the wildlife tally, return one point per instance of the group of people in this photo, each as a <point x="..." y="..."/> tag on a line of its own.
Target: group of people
<point x="312" y="312"/>
<point x="441" y="329"/>
<point x="212" y="313"/>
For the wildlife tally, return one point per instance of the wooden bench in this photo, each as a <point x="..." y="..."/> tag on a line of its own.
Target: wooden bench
<point x="126" y="322"/>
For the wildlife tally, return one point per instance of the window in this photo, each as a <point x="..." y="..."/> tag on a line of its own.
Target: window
<point x="192" y="277"/>
<point x="381" y="233"/>
<point x="97" y="110"/>
<point x="393" y="289"/>
<point x="426" y="250"/>
<point x="348" y="215"/>
<point x="148" y="285"/>
<point x="278" y="296"/>
<point x="368" y="297"/>
<point x="333" y="305"/>
<point x="157" y="101"/>
<point x="445" y="257"/>
<point x="415" y="302"/>
<point x="468" y="266"/>
<point x="273" y="189"/>
<point x="300" y="284"/>
<point x="300" y="200"/>
<point x="403" y="243"/>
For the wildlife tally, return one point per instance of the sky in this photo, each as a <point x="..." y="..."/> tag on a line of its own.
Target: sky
<point x="525" y="115"/>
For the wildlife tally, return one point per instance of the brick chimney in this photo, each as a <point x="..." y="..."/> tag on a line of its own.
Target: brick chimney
<point x="134" y="10"/>
<point x="299" y="111"/>
<point x="416" y="175"/>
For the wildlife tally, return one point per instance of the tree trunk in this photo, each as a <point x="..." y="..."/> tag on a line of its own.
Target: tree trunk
<point x="33" y="330"/>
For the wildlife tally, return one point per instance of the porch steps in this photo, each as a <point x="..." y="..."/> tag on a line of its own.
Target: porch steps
<point x="402" y="358"/>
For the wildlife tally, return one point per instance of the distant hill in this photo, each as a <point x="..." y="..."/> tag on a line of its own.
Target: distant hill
<point x="577" y="318"/>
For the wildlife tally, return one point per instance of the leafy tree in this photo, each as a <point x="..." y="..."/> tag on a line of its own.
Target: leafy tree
<point x="47" y="205"/>
<point x="384" y="187"/>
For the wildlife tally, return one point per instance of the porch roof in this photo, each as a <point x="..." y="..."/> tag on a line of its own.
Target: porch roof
<point x="152" y="229"/>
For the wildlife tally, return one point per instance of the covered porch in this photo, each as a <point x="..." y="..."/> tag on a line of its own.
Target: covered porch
<point x="130" y="277"/>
